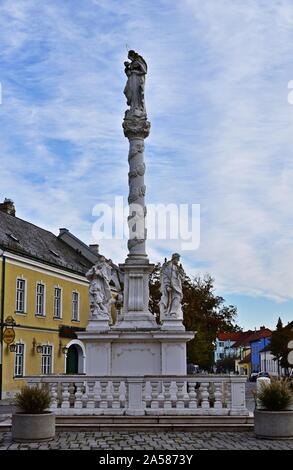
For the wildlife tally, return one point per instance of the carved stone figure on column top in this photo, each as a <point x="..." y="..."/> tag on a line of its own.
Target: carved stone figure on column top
<point x="134" y="89"/>
<point x="100" y="295"/>
<point x="172" y="276"/>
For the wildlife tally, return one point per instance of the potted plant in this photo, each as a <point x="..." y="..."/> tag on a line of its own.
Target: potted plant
<point x="274" y="420"/>
<point x="33" y="421"/>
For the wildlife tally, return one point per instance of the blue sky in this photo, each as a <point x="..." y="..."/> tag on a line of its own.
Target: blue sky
<point x="221" y="136"/>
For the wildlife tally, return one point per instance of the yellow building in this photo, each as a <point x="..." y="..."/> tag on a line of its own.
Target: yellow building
<point x="44" y="289"/>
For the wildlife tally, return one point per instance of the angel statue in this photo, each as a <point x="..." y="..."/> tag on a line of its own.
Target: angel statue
<point x="100" y="295"/>
<point x="172" y="276"/>
<point x="134" y="89"/>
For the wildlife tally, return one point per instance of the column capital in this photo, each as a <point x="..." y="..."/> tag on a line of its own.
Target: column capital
<point x="136" y="125"/>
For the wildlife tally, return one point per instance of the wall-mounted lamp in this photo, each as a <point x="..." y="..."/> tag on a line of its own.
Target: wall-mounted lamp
<point x="37" y="346"/>
<point x="12" y="347"/>
<point x="62" y="349"/>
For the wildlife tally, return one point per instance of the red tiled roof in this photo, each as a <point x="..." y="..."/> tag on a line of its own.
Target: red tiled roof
<point x="233" y="336"/>
<point x="239" y="336"/>
<point x="244" y="340"/>
<point x="259" y="334"/>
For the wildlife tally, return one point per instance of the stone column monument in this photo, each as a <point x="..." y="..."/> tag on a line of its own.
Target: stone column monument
<point x="137" y="344"/>
<point x="136" y="268"/>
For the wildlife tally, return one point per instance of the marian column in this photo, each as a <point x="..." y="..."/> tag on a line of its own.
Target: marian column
<point x="135" y="312"/>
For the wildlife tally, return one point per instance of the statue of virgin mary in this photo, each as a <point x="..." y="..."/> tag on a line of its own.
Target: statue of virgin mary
<point x="134" y="89"/>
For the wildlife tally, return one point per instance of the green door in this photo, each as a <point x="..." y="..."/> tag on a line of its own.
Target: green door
<point x="72" y="360"/>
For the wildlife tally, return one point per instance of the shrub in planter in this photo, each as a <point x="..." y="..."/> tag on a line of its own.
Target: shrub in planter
<point x="33" y="422"/>
<point x="275" y="421"/>
<point x="33" y="400"/>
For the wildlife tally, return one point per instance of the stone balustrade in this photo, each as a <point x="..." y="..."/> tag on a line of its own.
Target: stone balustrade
<point x="145" y="395"/>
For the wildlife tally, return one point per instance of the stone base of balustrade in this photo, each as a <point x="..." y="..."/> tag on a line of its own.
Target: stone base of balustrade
<point x="239" y="412"/>
<point x="147" y="412"/>
<point x="187" y="412"/>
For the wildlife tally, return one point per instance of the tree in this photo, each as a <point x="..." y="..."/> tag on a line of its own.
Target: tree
<point x="226" y="364"/>
<point x="203" y="312"/>
<point x="279" y="343"/>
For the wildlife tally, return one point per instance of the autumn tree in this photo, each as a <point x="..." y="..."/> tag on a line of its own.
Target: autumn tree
<point x="279" y="343"/>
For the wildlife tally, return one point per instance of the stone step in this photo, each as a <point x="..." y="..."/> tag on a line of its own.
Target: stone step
<point x="147" y="423"/>
<point x="144" y="423"/>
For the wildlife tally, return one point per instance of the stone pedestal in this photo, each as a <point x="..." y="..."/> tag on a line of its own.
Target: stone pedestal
<point x="135" y="353"/>
<point x="135" y="312"/>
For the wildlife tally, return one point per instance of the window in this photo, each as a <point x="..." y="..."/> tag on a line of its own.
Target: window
<point x="57" y="302"/>
<point x="75" y="306"/>
<point x="20" y="295"/>
<point x="47" y="360"/>
<point x="40" y="299"/>
<point x="19" y="360"/>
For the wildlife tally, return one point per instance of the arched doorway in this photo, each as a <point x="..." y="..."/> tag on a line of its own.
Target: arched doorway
<point x="75" y="357"/>
<point x="72" y="360"/>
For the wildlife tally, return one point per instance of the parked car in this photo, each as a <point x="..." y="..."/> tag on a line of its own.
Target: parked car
<point x="263" y="374"/>
<point x="253" y="376"/>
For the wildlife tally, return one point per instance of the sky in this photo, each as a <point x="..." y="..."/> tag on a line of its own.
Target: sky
<point x="221" y="129"/>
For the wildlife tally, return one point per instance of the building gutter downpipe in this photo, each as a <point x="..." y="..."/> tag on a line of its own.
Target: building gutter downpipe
<point x="2" y="320"/>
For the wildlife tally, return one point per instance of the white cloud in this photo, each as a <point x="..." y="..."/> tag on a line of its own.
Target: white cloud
<point x="221" y="126"/>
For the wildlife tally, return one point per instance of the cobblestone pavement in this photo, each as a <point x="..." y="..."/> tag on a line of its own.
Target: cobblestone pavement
<point x="150" y="441"/>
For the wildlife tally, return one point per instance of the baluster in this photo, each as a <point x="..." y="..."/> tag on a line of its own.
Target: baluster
<point x="228" y="395"/>
<point x="110" y="393"/>
<point x="161" y="394"/>
<point x="122" y="390"/>
<point x="167" y="395"/>
<point x="78" y="395"/>
<point x="155" y="393"/>
<point x="104" y="401"/>
<point x="218" y="395"/>
<point x="116" y="394"/>
<point x="65" y="404"/>
<point x="204" y="395"/>
<point x="192" y="395"/>
<point x="180" y="394"/>
<point x="144" y="402"/>
<point x="53" y="392"/>
<point x="90" y="394"/>
<point x="71" y="390"/>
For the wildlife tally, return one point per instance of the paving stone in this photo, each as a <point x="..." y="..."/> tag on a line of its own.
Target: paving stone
<point x="150" y="441"/>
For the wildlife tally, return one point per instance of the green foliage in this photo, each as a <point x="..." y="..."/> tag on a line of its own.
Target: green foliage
<point x="203" y="312"/>
<point x="279" y="343"/>
<point x="275" y="396"/>
<point x="33" y="400"/>
<point x="226" y="364"/>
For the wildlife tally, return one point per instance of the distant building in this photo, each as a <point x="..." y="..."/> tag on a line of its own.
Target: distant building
<point x="268" y="362"/>
<point x="258" y="341"/>
<point x="224" y="345"/>
<point x="245" y="346"/>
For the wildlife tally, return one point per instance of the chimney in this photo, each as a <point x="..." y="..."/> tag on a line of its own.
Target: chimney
<point x="8" y="207"/>
<point x="62" y="231"/>
<point x="94" y="249"/>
